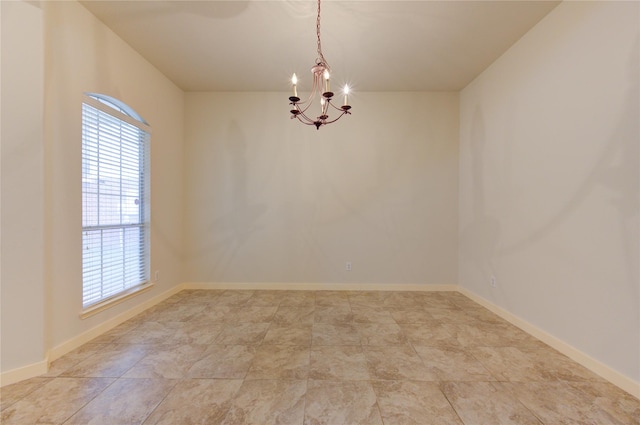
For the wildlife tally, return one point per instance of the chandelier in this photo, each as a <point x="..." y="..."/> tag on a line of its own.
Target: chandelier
<point x="321" y="87"/>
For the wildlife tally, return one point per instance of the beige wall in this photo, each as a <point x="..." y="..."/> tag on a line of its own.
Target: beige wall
<point x="41" y="186"/>
<point x="22" y="261"/>
<point x="549" y="181"/>
<point x="271" y="200"/>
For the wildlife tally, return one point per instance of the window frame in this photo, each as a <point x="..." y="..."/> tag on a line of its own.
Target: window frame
<point x="123" y="114"/>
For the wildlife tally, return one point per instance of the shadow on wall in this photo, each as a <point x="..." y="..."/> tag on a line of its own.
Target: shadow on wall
<point x="231" y="231"/>
<point x="618" y="170"/>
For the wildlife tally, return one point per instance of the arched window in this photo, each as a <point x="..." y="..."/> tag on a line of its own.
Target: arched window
<point x="115" y="200"/>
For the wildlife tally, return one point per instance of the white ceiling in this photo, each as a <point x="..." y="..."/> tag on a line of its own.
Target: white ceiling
<point x="372" y="45"/>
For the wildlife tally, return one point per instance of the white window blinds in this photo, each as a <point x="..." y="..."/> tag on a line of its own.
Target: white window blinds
<point x="115" y="201"/>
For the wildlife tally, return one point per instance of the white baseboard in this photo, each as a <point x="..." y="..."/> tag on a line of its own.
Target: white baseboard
<point x="597" y="367"/>
<point x="20" y="374"/>
<point x="75" y="342"/>
<point x="275" y="286"/>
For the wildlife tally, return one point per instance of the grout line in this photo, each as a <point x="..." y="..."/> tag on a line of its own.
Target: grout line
<point x="93" y="398"/>
<point x="449" y="401"/>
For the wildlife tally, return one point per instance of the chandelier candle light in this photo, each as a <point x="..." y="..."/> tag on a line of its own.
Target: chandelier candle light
<point x="321" y="86"/>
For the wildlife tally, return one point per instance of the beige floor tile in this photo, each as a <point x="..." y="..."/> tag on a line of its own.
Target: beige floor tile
<point x="294" y="315"/>
<point x="447" y="315"/>
<point x="381" y="334"/>
<point x="402" y="300"/>
<point x="397" y="362"/>
<point x="265" y="298"/>
<point x="196" y="333"/>
<point x="280" y="362"/>
<point x="332" y="299"/>
<point x="483" y="334"/>
<point x="563" y="404"/>
<point x="213" y="314"/>
<point x="288" y="335"/>
<point x="433" y="335"/>
<point x="172" y="311"/>
<point x="72" y="358"/>
<point x="482" y="403"/>
<point x="153" y="333"/>
<point x="459" y="300"/>
<point x="413" y="315"/>
<point x="126" y="401"/>
<point x="119" y="331"/>
<point x="483" y="315"/>
<point x="10" y="394"/>
<point x="373" y="299"/>
<point x="437" y="300"/>
<point x="412" y="402"/>
<point x="178" y="312"/>
<point x="611" y="401"/>
<point x="297" y="299"/>
<point x="334" y="334"/>
<point x="268" y="402"/>
<point x="453" y="364"/>
<point x="167" y="361"/>
<point x="251" y="314"/>
<point x="556" y="366"/>
<point x="242" y="334"/>
<point x="232" y="298"/>
<point x="244" y="357"/>
<point x="335" y="315"/>
<point x="523" y="364"/>
<point x="196" y="401"/>
<point x="111" y="362"/>
<point x="55" y="401"/>
<point x="341" y="402"/>
<point x="367" y="314"/>
<point x="338" y="363"/>
<point x="223" y="362"/>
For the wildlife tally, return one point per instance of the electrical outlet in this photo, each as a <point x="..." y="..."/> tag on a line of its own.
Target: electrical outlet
<point x="156" y="276"/>
<point x="492" y="282"/>
<point x="348" y="266"/>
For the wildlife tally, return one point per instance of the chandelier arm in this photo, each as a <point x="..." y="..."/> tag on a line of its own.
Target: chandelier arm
<point x="305" y="122"/>
<point x="302" y="116"/>
<point x="337" y="118"/>
<point x="336" y="108"/>
<point x="305" y="105"/>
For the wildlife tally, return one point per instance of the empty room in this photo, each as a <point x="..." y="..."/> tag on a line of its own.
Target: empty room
<point x="320" y="212"/>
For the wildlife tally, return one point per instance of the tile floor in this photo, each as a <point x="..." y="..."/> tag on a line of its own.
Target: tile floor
<point x="316" y="357"/>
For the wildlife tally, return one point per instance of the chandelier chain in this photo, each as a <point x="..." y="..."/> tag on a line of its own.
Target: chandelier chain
<point x="320" y="59"/>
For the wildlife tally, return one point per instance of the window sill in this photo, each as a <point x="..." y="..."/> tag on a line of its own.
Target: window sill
<point x="108" y="303"/>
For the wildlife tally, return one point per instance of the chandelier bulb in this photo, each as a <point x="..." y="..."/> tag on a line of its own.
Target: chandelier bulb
<point x="294" y="81"/>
